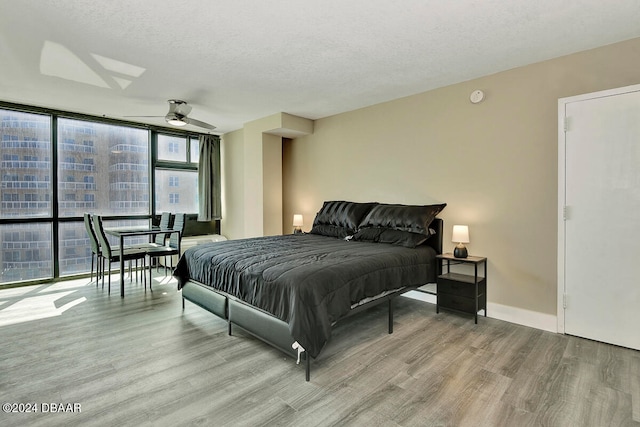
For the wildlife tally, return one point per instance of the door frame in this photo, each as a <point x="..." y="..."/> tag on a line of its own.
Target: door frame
<point x="563" y="125"/>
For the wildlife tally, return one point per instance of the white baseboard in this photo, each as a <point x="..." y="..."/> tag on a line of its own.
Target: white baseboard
<point x="420" y="296"/>
<point x="520" y="316"/>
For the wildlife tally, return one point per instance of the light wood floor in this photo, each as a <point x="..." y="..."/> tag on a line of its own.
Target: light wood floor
<point x="143" y="361"/>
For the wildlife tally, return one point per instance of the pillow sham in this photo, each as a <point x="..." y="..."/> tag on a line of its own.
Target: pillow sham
<point x="343" y="214"/>
<point x="331" y="231"/>
<point x="411" y="218"/>
<point x="388" y="235"/>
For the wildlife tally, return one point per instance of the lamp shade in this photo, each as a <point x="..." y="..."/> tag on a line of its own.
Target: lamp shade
<point x="460" y="234"/>
<point x="176" y="121"/>
<point x="297" y="220"/>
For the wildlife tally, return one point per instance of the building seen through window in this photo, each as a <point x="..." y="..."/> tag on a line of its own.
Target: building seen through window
<point x="100" y="168"/>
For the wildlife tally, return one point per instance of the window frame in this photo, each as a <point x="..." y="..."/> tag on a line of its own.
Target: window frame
<point x="53" y="219"/>
<point x="171" y="165"/>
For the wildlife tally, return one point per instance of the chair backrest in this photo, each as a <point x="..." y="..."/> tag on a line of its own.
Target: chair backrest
<point x="102" y="237"/>
<point x="178" y="224"/>
<point x="165" y="217"/>
<point x="93" y="239"/>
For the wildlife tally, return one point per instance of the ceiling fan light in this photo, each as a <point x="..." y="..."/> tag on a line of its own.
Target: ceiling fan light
<point x="176" y="122"/>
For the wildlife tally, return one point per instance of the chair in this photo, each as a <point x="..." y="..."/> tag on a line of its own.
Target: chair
<point x="173" y="248"/>
<point x="95" y="246"/>
<point x="159" y="240"/>
<point x="165" y="218"/>
<point x="112" y="253"/>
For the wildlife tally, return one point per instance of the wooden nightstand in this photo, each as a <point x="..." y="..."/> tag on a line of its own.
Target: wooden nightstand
<point x="462" y="292"/>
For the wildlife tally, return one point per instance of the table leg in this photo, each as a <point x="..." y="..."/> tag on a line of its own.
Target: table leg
<point x="121" y="266"/>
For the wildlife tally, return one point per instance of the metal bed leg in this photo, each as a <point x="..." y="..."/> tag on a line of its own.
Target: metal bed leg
<point x="391" y="315"/>
<point x="229" y="328"/>
<point x="307" y="368"/>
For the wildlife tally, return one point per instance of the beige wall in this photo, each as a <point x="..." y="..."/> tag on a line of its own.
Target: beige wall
<point x="232" y="191"/>
<point x="252" y="175"/>
<point x="493" y="163"/>
<point x="272" y="184"/>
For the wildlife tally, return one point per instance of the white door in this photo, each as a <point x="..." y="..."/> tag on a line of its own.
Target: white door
<point x="602" y="218"/>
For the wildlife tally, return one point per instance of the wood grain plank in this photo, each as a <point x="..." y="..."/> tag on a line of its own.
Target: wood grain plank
<point x="142" y="360"/>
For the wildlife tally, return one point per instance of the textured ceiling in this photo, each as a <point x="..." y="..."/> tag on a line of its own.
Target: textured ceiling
<point x="235" y="61"/>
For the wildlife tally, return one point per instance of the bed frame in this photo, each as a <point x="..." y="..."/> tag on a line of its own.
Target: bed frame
<point x="272" y="330"/>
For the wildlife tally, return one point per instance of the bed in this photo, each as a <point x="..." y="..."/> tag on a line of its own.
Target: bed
<point x="290" y="290"/>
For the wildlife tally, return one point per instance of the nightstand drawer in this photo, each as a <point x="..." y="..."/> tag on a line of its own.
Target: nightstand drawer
<point x="455" y="302"/>
<point x="460" y="284"/>
<point x="462" y="292"/>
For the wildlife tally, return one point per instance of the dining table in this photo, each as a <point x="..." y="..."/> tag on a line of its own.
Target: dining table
<point x="125" y="232"/>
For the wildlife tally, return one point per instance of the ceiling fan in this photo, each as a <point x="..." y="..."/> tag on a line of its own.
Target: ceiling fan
<point x="177" y="115"/>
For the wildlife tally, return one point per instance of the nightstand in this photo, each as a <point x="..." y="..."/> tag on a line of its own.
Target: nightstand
<point x="462" y="292"/>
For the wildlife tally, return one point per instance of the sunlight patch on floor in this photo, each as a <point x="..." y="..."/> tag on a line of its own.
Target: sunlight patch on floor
<point x="36" y="307"/>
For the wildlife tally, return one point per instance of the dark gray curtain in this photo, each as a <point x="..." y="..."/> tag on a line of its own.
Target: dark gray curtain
<point x="209" y="178"/>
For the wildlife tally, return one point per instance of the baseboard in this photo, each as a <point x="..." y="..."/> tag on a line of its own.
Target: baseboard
<point x="420" y="296"/>
<point x="520" y="316"/>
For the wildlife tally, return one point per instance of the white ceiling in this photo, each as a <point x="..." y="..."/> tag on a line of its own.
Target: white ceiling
<point x="238" y="60"/>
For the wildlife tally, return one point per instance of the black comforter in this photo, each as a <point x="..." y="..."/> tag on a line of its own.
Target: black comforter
<point x="308" y="281"/>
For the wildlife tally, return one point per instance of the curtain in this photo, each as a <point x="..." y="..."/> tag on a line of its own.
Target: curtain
<point x="209" y="178"/>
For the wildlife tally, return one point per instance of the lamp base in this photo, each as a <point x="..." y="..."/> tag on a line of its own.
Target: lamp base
<point x="297" y="230"/>
<point x="460" y="251"/>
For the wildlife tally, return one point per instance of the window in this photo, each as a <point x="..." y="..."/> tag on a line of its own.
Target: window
<point x="195" y="150"/>
<point x="11" y="256"/>
<point x="117" y="169"/>
<point x="172" y="148"/>
<point x="176" y="174"/>
<point x="184" y="192"/>
<point x="100" y="167"/>
<point x="26" y="252"/>
<point x="32" y="136"/>
<point x="32" y="255"/>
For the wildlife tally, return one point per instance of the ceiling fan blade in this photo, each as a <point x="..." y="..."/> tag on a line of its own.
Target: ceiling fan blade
<point x="198" y="123"/>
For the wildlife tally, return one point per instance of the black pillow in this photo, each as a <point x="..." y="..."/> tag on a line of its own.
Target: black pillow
<point x="331" y="231"/>
<point x="342" y="214"/>
<point x="388" y="235"/>
<point x="412" y="218"/>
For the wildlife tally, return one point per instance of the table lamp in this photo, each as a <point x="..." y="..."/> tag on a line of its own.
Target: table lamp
<point x="460" y="236"/>
<point x="297" y="223"/>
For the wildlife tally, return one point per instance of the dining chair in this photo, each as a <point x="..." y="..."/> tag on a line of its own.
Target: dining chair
<point x="159" y="240"/>
<point x="112" y="253"/>
<point x="95" y="246"/>
<point x="165" y="219"/>
<point x="170" y="249"/>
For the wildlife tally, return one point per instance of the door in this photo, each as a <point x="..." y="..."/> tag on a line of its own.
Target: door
<point x="602" y="217"/>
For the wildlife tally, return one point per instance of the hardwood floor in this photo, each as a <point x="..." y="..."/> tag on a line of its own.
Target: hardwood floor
<point x="141" y="360"/>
